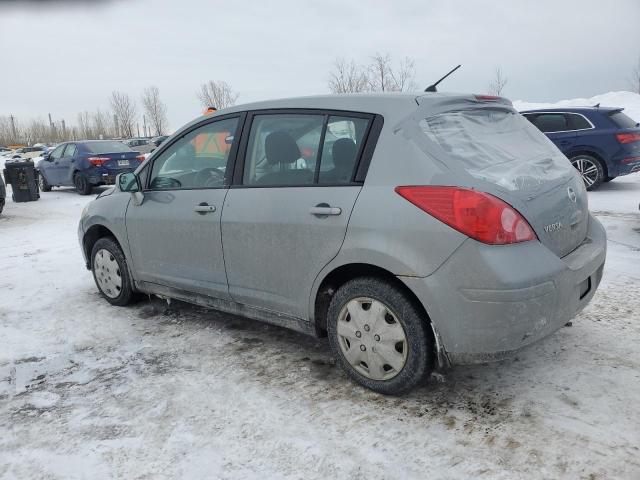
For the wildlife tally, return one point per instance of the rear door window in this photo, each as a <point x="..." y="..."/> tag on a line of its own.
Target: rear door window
<point x="495" y="145"/>
<point x="283" y="149"/>
<point x="303" y="149"/>
<point x="551" y="122"/>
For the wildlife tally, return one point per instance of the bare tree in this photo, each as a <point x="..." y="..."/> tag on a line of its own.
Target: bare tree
<point x="36" y="131"/>
<point x="85" y="129"/>
<point x="125" y="111"/>
<point x="348" y="77"/>
<point x="634" y="81"/>
<point x="498" y="83"/>
<point x="384" y="77"/>
<point x="156" y="110"/>
<point x="102" y="124"/>
<point x="217" y="94"/>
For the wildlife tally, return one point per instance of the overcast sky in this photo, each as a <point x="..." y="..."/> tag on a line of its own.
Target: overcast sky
<point x="66" y="57"/>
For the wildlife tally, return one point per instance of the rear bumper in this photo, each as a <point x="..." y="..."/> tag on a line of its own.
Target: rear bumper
<point x="106" y="177"/>
<point x="627" y="168"/>
<point x="486" y="302"/>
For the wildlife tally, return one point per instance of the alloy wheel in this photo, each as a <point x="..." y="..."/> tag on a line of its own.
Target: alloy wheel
<point x="587" y="169"/>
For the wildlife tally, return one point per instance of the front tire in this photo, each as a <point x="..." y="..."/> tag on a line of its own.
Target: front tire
<point x="590" y="169"/>
<point x="110" y="272"/>
<point x="42" y="183"/>
<point x="83" y="187"/>
<point x="379" y="337"/>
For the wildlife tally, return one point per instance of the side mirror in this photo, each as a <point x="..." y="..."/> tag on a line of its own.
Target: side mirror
<point x="129" y="182"/>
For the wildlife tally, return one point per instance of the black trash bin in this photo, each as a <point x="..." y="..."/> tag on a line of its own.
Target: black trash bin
<point x="21" y="175"/>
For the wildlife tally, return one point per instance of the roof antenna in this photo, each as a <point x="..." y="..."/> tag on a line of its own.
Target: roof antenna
<point x="597" y="105"/>
<point x="432" y="88"/>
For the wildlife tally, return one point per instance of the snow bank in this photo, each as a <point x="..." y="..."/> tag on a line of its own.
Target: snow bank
<point x="628" y="100"/>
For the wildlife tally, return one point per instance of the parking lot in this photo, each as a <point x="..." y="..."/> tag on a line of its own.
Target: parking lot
<point x="88" y="390"/>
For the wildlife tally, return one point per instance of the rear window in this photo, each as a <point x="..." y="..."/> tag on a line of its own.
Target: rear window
<point x="496" y="145"/>
<point x="622" y="120"/>
<point x="107" y="147"/>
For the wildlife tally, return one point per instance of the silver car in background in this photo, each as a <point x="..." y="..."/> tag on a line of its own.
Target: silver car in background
<point x="414" y="231"/>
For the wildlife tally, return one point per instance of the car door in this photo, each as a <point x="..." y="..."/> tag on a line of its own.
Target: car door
<point x="174" y="234"/>
<point x="66" y="164"/>
<point x="557" y="128"/>
<point x="50" y="168"/>
<point x="286" y="215"/>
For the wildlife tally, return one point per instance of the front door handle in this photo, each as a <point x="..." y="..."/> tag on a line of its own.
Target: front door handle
<point x="203" y="208"/>
<point x="323" y="210"/>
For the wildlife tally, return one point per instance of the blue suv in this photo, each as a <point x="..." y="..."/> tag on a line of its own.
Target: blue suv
<point x="602" y="143"/>
<point x="86" y="164"/>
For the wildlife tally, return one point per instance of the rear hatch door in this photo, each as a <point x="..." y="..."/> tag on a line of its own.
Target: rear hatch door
<point x="487" y="145"/>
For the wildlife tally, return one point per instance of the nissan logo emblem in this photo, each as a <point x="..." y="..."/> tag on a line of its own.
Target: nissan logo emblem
<point x="572" y="195"/>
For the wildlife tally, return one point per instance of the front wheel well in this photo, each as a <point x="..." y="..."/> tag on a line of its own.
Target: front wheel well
<point x="343" y="274"/>
<point x="90" y="238"/>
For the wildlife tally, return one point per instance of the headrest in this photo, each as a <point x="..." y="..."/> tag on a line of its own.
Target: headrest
<point x="280" y="147"/>
<point x="344" y="152"/>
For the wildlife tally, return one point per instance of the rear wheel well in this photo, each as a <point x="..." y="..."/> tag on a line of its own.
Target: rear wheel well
<point x="343" y="274"/>
<point x="92" y="235"/>
<point x="605" y="170"/>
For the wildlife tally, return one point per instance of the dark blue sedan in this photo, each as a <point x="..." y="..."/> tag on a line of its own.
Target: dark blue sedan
<point x="86" y="164"/>
<point x="602" y="142"/>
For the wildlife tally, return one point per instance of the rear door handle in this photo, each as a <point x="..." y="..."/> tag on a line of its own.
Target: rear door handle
<point x="323" y="211"/>
<point x="203" y="208"/>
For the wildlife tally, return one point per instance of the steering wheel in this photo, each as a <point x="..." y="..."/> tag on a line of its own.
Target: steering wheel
<point x="165" y="183"/>
<point x="209" y="177"/>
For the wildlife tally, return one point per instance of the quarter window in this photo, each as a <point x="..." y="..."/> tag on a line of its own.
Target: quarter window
<point x="197" y="160"/>
<point x="578" y="122"/>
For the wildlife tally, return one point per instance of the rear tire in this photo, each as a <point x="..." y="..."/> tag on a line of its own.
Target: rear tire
<point x="110" y="272"/>
<point x="42" y="183"/>
<point x="590" y="169"/>
<point x="379" y="337"/>
<point x="83" y="187"/>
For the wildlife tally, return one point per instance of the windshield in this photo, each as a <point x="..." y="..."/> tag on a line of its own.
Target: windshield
<point x="496" y="145"/>
<point x="107" y="147"/>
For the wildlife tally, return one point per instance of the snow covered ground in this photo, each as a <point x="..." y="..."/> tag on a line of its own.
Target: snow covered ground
<point x="88" y="390"/>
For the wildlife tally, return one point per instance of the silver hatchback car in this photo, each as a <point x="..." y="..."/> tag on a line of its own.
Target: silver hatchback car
<point x="414" y="231"/>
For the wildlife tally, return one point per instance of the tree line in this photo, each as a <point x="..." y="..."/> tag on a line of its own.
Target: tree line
<point x="381" y="73"/>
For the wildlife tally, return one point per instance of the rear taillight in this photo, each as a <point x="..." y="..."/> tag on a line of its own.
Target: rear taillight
<point x="628" y="137"/>
<point x="98" y="161"/>
<point x="478" y="215"/>
<point x="141" y="158"/>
